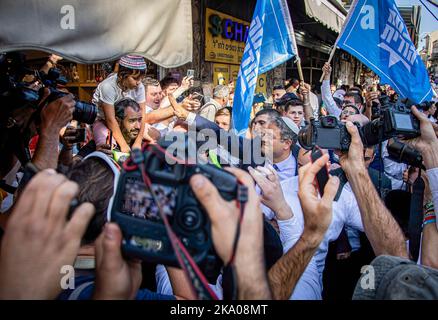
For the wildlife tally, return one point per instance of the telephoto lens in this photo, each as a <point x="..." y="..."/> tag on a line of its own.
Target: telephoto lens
<point x="403" y="153"/>
<point x="85" y="112"/>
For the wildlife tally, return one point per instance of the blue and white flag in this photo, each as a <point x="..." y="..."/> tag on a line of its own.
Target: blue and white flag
<point x="270" y="43"/>
<point x="376" y="34"/>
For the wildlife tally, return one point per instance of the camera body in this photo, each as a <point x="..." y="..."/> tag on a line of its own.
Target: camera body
<point x="394" y="120"/>
<point x="84" y="112"/>
<point x="327" y="133"/>
<point x="134" y="209"/>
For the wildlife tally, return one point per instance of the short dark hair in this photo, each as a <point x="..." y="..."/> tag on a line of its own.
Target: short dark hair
<point x="357" y="98"/>
<point x="349" y="105"/>
<point x="167" y="81"/>
<point x="278" y="87"/>
<point x="124" y="72"/>
<point x="285" y="132"/>
<point x="291" y="83"/>
<point x="121" y="105"/>
<point x="96" y="183"/>
<point x="271" y="113"/>
<point x="293" y="103"/>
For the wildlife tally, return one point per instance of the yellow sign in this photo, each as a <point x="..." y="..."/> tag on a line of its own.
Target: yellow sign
<point x="221" y="74"/>
<point x="261" y="84"/>
<point x="234" y="73"/>
<point x="224" y="73"/>
<point x="225" y="37"/>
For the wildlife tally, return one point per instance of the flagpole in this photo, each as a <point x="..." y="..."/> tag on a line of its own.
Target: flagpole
<point x="298" y="60"/>
<point x="332" y="53"/>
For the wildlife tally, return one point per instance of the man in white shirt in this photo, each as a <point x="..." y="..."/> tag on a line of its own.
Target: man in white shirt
<point x="345" y="212"/>
<point x="278" y="140"/>
<point x="221" y="94"/>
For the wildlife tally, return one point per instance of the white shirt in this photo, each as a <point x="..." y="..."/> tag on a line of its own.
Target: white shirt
<point x="165" y="287"/>
<point x="345" y="212"/>
<point x="328" y="100"/>
<point x="109" y="92"/>
<point x="159" y="126"/>
<point x="285" y="170"/>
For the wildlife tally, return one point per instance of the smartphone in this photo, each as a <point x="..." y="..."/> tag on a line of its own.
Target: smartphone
<point x="197" y="96"/>
<point x="80" y="135"/>
<point x="190" y="73"/>
<point x="323" y="175"/>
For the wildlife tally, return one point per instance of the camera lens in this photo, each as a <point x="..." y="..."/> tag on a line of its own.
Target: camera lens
<point x="85" y="112"/>
<point x="305" y="137"/>
<point x="190" y="220"/>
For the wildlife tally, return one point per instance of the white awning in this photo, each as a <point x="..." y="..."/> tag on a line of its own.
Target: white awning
<point x="100" y="30"/>
<point x="325" y="13"/>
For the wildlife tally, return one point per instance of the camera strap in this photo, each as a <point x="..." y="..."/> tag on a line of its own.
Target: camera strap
<point x="416" y="217"/>
<point x="199" y="284"/>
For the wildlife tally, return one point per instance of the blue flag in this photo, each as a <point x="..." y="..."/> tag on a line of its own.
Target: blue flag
<point x="270" y="43"/>
<point x="376" y="34"/>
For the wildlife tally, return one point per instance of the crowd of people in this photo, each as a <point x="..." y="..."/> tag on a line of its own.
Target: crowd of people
<point x="295" y="241"/>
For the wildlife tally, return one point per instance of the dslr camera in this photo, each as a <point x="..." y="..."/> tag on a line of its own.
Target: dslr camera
<point x="394" y="120"/>
<point x="136" y="211"/>
<point x="328" y="133"/>
<point x="84" y="112"/>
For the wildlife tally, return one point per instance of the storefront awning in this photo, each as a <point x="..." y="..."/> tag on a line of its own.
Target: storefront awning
<point x="325" y="13"/>
<point x="100" y="30"/>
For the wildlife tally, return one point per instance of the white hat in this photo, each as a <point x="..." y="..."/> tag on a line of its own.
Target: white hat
<point x="291" y="125"/>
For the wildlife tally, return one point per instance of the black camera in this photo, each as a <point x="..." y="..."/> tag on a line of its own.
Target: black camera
<point x="84" y="112"/>
<point x="394" y="120"/>
<point x="136" y="211"/>
<point x="403" y="153"/>
<point x="328" y="133"/>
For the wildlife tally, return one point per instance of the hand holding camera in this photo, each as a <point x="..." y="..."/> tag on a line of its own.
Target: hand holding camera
<point x="116" y="278"/>
<point x="72" y="135"/>
<point x="38" y="231"/>
<point x="353" y="162"/>
<point x="57" y="114"/>
<point x="427" y="143"/>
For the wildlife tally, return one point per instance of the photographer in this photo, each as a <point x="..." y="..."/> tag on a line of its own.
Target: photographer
<point x="291" y="275"/>
<point x="39" y="240"/>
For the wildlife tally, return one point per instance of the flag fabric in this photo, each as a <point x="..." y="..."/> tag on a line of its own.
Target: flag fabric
<point x="270" y="43"/>
<point x="100" y="30"/>
<point x="376" y="34"/>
